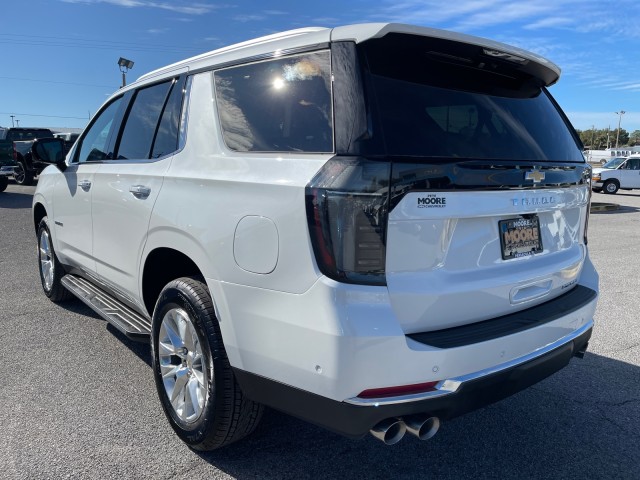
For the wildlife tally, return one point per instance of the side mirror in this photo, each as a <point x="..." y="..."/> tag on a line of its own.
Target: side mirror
<point x="49" y="150"/>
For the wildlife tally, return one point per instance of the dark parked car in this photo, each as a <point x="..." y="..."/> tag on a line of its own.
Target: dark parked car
<point x="15" y="144"/>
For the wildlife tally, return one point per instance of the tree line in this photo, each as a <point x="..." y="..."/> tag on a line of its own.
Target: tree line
<point x="599" y="139"/>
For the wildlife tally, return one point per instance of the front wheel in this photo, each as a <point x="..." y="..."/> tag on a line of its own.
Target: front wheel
<point x="22" y="175"/>
<point x="610" y="187"/>
<point x="51" y="271"/>
<point x="197" y="389"/>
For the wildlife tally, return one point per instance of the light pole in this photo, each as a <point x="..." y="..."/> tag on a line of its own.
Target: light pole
<point x="17" y="122"/>
<point x="620" y="113"/>
<point x="12" y="124"/>
<point x="125" y="65"/>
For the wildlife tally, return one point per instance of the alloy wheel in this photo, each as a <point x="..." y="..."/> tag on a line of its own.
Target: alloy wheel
<point x="46" y="260"/>
<point x="19" y="173"/>
<point x="182" y="365"/>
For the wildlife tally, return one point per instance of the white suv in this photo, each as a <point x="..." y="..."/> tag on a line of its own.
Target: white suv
<point x="372" y="227"/>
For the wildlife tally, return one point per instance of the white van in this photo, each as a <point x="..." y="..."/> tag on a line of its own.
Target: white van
<point x="617" y="173"/>
<point x="373" y="228"/>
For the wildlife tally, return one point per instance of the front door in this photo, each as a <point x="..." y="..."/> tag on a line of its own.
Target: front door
<point x="72" y="198"/>
<point x="630" y="173"/>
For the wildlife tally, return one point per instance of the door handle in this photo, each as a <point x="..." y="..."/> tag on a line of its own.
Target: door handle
<point x="140" y="191"/>
<point x="85" y="185"/>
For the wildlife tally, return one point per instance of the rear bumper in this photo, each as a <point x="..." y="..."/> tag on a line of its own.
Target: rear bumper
<point x="452" y="397"/>
<point x="6" y="171"/>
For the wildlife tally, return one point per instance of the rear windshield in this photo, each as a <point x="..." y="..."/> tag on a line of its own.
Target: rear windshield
<point x="28" y="134"/>
<point x="432" y="104"/>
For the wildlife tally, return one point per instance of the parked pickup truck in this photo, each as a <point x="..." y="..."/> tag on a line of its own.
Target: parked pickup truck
<point x="616" y="174"/>
<point x="15" y="147"/>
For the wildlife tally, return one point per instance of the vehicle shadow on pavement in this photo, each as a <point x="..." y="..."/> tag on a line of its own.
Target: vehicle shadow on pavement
<point x="15" y="200"/>
<point x="619" y="210"/>
<point x="140" y="349"/>
<point x="582" y="422"/>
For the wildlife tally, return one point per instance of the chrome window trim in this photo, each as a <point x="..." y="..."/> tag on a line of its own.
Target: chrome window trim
<point x="452" y="385"/>
<point x="184" y="117"/>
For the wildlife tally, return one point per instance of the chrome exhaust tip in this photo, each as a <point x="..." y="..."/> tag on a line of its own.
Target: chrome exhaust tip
<point x="389" y="431"/>
<point x="423" y="427"/>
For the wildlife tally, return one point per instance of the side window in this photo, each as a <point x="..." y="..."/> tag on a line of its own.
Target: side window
<point x="280" y="105"/>
<point x="141" y="122"/>
<point x="94" y="144"/>
<point x="167" y="137"/>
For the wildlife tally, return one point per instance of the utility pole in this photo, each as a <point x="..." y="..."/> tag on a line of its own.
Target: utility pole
<point x="620" y="113"/>
<point x="12" y="124"/>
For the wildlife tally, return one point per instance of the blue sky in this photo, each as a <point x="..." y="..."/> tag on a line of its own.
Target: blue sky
<point x="59" y="60"/>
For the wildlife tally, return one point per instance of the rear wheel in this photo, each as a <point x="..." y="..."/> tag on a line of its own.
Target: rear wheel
<point x="611" y="187"/>
<point x="197" y="388"/>
<point x="4" y="181"/>
<point x="51" y="271"/>
<point x="22" y="175"/>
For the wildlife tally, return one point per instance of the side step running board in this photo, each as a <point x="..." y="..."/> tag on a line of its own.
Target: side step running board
<point x="125" y="319"/>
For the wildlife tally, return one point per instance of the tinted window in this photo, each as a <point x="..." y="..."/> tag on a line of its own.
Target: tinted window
<point x="633" y="164"/>
<point x="94" y="144"/>
<point x="437" y="104"/>
<point x="279" y="105"/>
<point x="28" y="134"/>
<point x="167" y="137"/>
<point x="142" y="120"/>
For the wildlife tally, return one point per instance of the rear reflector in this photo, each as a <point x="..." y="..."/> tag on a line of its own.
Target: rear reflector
<point x="399" y="390"/>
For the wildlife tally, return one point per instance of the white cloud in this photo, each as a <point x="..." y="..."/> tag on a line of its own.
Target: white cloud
<point x="189" y="8"/>
<point x="249" y="18"/>
<point x="549" y="22"/>
<point x="585" y="16"/>
<point x="634" y="87"/>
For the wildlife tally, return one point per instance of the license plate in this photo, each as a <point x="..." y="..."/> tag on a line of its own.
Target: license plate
<point x="520" y="237"/>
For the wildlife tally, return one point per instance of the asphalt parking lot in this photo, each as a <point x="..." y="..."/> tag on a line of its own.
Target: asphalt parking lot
<point x="77" y="400"/>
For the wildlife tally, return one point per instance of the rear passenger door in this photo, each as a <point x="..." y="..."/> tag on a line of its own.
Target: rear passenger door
<point x="126" y="187"/>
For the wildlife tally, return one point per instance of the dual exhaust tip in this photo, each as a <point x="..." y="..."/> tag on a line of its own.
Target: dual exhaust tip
<point x="391" y="430"/>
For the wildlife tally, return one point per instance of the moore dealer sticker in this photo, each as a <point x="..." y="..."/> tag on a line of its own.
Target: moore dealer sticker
<point x="432" y="200"/>
<point x="520" y="237"/>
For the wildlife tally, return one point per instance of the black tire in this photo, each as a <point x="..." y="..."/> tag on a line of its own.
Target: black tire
<point x="225" y="414"/>
<point x="4" y="182"/>
<point x="47" y="259"/>
<point x="597" y="190"/>
<point x="611" y="187"/>
<point x="22" y="175"/>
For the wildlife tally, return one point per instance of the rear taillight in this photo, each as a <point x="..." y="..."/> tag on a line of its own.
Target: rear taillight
<point x="347" y="206"/>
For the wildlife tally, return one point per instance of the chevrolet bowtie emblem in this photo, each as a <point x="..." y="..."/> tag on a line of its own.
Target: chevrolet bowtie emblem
<point x="536" y="175"/>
